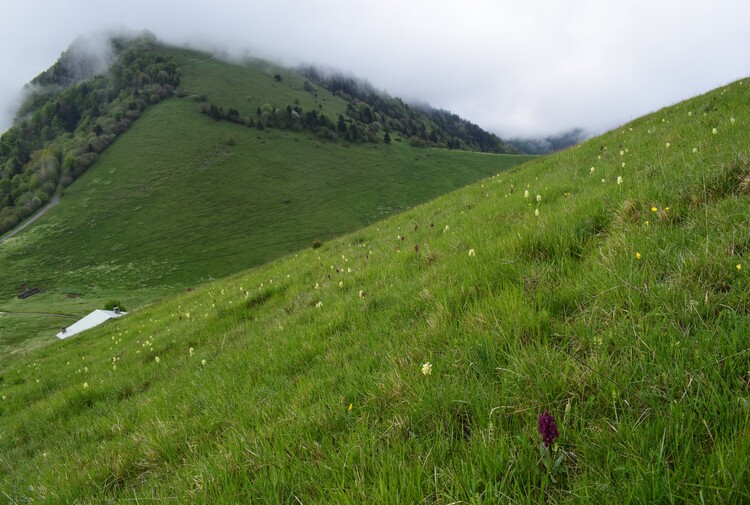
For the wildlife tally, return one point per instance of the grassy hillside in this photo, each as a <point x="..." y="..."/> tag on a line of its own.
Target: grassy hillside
<point x="617" y="299"/>
<point x="180" y="199"/>
<point x="250" y="84"/>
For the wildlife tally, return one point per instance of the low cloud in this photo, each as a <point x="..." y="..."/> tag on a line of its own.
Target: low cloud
<point x="11" y="100"/>
<point x="515" y="68"/>
<point x="550" y="143"/>
<point x="87" y="56"/>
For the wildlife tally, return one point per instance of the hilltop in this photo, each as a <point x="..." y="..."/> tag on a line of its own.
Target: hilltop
<point x="79" y="106"/>
<point x="410" y="361"/>
<point x="176" y="167"/>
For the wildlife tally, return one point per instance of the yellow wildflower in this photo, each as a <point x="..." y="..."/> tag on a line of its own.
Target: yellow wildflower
<point x="427" y="368"/>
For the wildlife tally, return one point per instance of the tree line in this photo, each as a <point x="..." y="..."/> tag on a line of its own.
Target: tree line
<point x="293" y="117"/>
<point x="421" y="126"/>
<point x="371" y="116"/>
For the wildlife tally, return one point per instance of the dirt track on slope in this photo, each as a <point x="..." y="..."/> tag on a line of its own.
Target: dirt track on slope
<point x="33" y="218"/>
<point x="49" y="314"/>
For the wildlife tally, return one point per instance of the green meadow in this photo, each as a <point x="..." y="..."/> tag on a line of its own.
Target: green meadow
<point x="180" y="199"/>
<point x="608" y="284"/>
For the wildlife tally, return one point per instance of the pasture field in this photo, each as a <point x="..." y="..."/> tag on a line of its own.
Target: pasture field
<point x="181" y="199"/>
<point x="410" y="361"/>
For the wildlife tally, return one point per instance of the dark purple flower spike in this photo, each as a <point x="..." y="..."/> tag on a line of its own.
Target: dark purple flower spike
<point x="548" y="428"/>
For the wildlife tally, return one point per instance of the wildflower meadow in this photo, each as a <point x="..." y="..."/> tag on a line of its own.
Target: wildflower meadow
<point x="585" y="345"/>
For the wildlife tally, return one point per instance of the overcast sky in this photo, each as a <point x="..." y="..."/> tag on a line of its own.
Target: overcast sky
<point x="517" y="68"/>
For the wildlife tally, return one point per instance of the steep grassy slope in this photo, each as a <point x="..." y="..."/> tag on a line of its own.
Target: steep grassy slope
<point x="180" y="198"/>
<point x="619" y="299"/>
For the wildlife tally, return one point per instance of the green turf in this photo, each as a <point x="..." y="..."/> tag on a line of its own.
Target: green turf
<point x="622" y="308"/>
<point x="181" y="199"/>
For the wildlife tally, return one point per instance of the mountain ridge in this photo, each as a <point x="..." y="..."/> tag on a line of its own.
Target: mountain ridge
<point x="75" y="109"/>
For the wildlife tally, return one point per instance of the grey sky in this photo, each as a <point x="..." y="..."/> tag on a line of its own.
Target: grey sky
<point x="520" y="67"/>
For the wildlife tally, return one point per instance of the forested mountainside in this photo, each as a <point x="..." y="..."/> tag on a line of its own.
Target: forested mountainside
<point x="421" y="125"/>
<point x="71" y="114"/>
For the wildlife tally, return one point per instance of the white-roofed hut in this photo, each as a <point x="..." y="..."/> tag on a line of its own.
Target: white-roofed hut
<point x="96" y="318"/>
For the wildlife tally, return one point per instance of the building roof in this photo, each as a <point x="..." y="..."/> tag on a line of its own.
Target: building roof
<point x="96" y="318"/>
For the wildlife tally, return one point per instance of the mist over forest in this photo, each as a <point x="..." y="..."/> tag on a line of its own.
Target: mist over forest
<point x="550" y="143"/>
